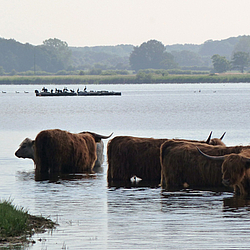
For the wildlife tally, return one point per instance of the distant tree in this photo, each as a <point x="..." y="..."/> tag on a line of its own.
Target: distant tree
<point x="100" y="66"/>
<point x="168" y="61"/>
<point x="95" y="71"/>
<point x="55" y="53"/>
<point x="220" y="63"/>
<point x="210" y="48"/>
<point x="240" y="61"/>
<point x="187" y="58"/>
<point x="83" y="58"/>
<point x="13" y="72"/>
<point x="55" y="43"/>
<point x="150" y="55"/>
<point x="243" y="45"/>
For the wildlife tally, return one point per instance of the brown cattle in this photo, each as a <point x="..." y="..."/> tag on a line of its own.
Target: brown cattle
<point x="235" y="169"/>
<point x="60" y="152"/>
<point x="133" y="156"/>
<point x="183" y="166"/>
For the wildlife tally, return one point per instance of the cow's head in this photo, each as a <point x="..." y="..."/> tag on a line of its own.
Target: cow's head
<point x="26" y="149"/>
<point x="234" y="169"/>
<point x="215" y="141"/>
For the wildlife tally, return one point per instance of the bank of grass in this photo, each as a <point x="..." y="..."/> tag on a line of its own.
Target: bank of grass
<point x="69" y="79"/>
<point x="17" y="226"/>
<point x="125" y="79"/>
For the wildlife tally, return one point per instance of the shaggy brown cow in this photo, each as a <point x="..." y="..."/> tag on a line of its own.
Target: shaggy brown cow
<point x="60" y="152"/>
<point x="132" y="156"/>
<point x="183" y="166"/>
<point x="235" y="169"/>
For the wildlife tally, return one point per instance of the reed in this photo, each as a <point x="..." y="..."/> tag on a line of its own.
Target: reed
<point x="125" y="79"/>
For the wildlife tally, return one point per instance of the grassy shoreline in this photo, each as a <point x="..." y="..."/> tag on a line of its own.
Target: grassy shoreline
<point x="17" y="226"/>
<point x="125" y="79"/>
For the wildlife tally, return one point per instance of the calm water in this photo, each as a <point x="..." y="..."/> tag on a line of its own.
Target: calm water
<point x="92" y="216"/>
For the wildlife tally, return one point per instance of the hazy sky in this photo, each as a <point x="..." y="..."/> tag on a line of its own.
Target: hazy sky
<point x="112" y="22"/>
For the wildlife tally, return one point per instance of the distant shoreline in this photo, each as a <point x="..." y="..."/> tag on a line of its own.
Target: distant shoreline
<point x="124" y="79"/>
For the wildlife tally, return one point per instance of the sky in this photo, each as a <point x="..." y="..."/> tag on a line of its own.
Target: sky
<point x="112" y="22"/>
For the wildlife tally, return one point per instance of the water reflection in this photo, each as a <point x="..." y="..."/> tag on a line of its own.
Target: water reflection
<point x="185" y="219"/>
<point x="133" y="184"/>
<point x="57" y="178"/>
<point x="190" y="199"/>
<point x="134" y="215"/>
<point x="236" y="203"/>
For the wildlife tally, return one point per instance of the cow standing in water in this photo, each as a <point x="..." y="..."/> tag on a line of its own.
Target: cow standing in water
<point x="133" y="156"/>
<point x="183" y="166"/>
<point x="57" y="151"/>
<point x="235" y="167"/>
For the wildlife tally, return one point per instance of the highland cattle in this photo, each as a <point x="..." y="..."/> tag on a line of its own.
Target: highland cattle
<point x="134" y="156"/>
<point x="57" y="151"/>
<point x="235" y="167"/>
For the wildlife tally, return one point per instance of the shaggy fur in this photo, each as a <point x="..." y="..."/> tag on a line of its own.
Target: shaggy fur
<point x="236" y="172"/>
<point x="132" y="156"/>
<point x="60" y="152"/>
<point x="129" y="156"/>
<point x="183" y="166"/>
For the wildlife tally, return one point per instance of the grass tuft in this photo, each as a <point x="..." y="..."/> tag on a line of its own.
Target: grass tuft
<point x="16" y="225"/>
<point x="13" y="220"/>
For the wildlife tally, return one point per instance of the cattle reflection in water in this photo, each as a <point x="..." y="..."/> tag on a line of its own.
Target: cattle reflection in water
<point x="228" y="203"/>
<point x="54" y="178"/>
<point x="234" y="203"/>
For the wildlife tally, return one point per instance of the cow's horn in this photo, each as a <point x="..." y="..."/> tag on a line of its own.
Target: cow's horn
<point x="217" y="158"/>
<point x="98" y="137"/>
<point x="106" y="137"/>
<point x="209" y="137"/>
<point x="222" y="136"/>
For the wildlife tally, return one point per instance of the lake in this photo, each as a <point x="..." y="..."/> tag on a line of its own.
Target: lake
<point x="91" y="215"/>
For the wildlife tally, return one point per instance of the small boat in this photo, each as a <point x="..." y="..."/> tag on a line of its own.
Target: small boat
<point x="66" y="92"/>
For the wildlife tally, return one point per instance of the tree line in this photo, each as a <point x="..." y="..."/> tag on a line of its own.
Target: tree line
<point x="240" y="61"/>
<point x="56" y="57"/>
